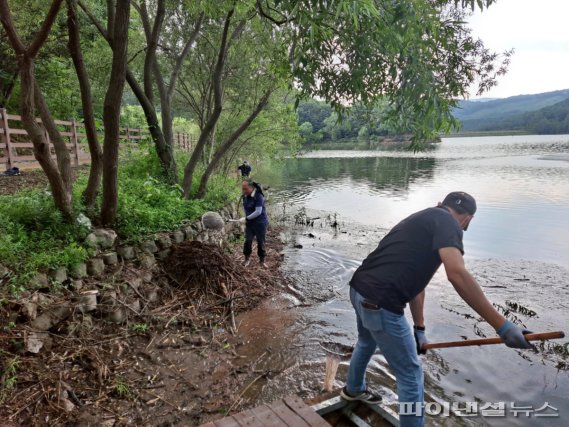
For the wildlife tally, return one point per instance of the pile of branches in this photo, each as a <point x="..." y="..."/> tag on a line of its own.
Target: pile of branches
<point x="212" y="278"/>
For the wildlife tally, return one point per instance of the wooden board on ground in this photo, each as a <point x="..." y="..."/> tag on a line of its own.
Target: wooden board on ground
<point x="291" y="411"/>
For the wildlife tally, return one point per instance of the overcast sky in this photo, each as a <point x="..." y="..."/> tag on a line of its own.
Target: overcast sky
<point x="539" y="33"/>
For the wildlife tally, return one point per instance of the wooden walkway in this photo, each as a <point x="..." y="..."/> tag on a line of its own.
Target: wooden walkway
<point x="290" y="411"/>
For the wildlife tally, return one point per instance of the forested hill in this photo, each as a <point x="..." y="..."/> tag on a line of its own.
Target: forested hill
<point x="540" y="113"/>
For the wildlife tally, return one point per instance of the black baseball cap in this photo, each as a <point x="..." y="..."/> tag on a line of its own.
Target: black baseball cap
<point x="461" y="202"/>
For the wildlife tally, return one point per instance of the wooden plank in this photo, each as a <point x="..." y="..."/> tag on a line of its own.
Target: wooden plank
<point x="267" y="417"/>
<point x="18" y="131"/>
<point x="13" y="117"/>
<point x="22" y="145"/>
<point x="24" y="159"/>
<point x="226" y="422"/>
<point x="306" y="413"/>
<point x="62" y="122"/>
<point x="74" y="142"/>
<point x="287" y="415"/>
<point x="9" y="153"/>
<point x="248" y="419"/>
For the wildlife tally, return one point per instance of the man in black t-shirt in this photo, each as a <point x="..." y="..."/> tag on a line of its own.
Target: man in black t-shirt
<point x="396" y="273"/>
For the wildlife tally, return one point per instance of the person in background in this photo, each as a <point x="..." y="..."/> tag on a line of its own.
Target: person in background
<point x="255" y="219"/>
<point x="396" y="273"/>
<point x="245" y="169"/>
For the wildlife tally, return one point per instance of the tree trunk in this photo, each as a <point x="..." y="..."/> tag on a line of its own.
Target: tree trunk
<point x="163" y="149"/>
<point x="111" y="113"/>
<point x="61" y="150"/>
<point x="74" y="46"/>
<point x="216" y="112"/>
<point x="42" y="150"/>
<point x="229" y="143"/>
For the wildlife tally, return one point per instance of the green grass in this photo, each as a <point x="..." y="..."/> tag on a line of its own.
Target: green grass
<point x="34" y="237"/>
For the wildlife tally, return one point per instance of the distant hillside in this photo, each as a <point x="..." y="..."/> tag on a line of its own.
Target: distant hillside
<point x="539" y="113"/>
<point x="549" y="120"/>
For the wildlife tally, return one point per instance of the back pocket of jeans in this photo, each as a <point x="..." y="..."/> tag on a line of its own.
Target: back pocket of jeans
<point x="372" y="319"/>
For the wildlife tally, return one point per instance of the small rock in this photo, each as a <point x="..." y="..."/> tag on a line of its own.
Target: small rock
<point x="189" y="232"/>
<point x="197" y="226"/>
<point x="35" y="341"/>
<point x="30" y="309"/>
<point x="162" y="255"/>
<point x="149" y="247"/>
<point x="78" y="271"/>
<point x="177" y="237"/>
<point x="95" y="266"/>
<point x="298" y="246"/>
<point x="126" y="252"/>
<point x="39" y="281"/>
<point x="163" y="242"/>
<point x="212" y="221"/>
<point x="59" y="275"/>
<point x="67" y="405"/>
<point x="87" y="301"/>
<point x="151" y="294"/>
<point x="117" y="315"/>
<point x="135" y="305"/>
<point x="76" y="285"/>
<point x="135" y="283"/>
<point x="105" y="238"/>
<point x="51" y="318"/>
<point x="147" y="260"/>
<point x="110" y="258"/>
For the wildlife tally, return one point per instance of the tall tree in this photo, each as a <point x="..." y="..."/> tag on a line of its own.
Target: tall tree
<point x="58" y="173"/>
<point x="74" y="46"/>
<point x="183" y="28"/>
<point x="216" y="79"/>
<point x="112" y="109"/>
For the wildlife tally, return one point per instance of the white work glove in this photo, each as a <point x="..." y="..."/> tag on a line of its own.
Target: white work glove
<point x="243" y="220"/>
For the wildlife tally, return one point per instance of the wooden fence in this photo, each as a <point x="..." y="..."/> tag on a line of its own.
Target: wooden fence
<point x="16" y="148"/>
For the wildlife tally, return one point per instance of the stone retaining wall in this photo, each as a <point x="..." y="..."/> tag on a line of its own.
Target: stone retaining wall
<point x="214" y="227"/>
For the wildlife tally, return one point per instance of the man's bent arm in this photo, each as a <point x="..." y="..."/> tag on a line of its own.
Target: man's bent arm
<point x="468" y="288"/>
<point x="416" y="306"/>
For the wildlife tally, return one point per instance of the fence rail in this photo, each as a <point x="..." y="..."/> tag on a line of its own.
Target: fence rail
<point x="16" y="148"/>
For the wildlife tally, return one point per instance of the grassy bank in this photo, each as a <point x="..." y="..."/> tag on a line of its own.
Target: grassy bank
<point x="34" y="237"/>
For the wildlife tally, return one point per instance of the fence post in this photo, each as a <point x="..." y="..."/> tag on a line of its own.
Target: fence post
<point x="6" y="133"/>
<point x="75" y="141"/>
<point x="139" y="140"/>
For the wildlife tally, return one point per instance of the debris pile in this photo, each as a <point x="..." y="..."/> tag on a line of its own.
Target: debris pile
<point x="210" y="277"/>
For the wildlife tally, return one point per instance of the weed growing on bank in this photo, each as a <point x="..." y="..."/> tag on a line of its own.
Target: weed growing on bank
<point x="34" y="237"/>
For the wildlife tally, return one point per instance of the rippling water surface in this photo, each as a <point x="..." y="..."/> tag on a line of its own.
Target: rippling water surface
<point x="517" y="247"/>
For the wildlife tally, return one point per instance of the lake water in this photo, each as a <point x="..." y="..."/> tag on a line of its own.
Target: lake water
<point x="517" y="247"/>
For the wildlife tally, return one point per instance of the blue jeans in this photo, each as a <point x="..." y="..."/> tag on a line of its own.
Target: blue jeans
<point x="393" y="335"/>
